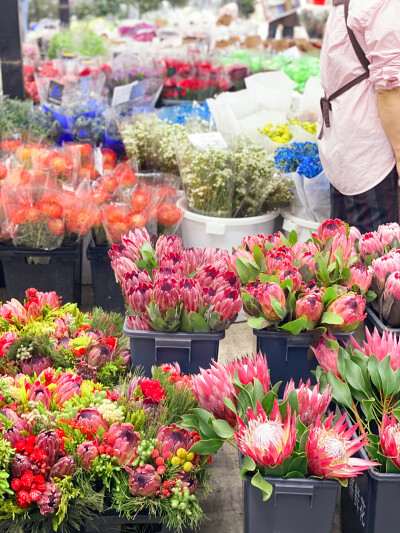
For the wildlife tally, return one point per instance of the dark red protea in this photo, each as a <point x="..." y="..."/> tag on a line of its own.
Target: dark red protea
<point x="91" y="419"/>
<point x="188" y="481"/>
<point x="49" y="500"/>
<point x="144" y="481"/>
<point x="124" y="440"/>
<point x="166" y="294"/>
<point x="14" y="435"/>
<point x="21" y="464"/>
<point x="99" y="356"/>
<point x="65" y="466"/>
<point x="51" y="444"/>
<point x="87" y="453"/>
<point x="35" y="365"/>
<point x="191" y="295"/>
<point x="172" y="438"/>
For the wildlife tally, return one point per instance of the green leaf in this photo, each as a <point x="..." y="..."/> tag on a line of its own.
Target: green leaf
<point x="293" y="237"/>
<point x="207" y="447"/>
<point x="340" y="391"/>
<point x="391" y="468"/>
<point x="299" y="464"/>
<point x="258" y="322"/>
<point x="185" y="325"/>
<point x="370" y="297"/>
<point x="343" y="481"/>
<point x="248" y="465"/>
<point x="204" y="423"/>
<point x="355" y="377"/>
<point x="296" y="326"/>
<point x="278" y="307"/>
<point x="222" y="429"/>
<point x="198" y="323"/>
<point x="388" y="376"/>
<point x="304" y="439"/>
<point x="247" y="270"/>
<point x="331" y="343"/>
<point x="229" y="403"/>
<point x="258" y="256"/>
<point x="367" y="407"/>
<point x="331" y="318"/>
<point x="267" y="402"/>
<point x="373" y="369"/>
<point x="260" y="483"/>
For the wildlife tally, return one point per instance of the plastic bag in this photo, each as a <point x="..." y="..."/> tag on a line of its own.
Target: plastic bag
<point x="317" y="192"/>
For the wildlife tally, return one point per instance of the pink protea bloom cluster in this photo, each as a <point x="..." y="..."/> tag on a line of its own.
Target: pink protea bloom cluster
<point x="290" y="272"/>
<point x="253" y="240"/>
<point x="384" y="266"/>
<point x="67" y="386"/>
<point x="330" y="450"/>
<point x="389" y="434"/>
<point x="345" y="244"/>
<point x="390" y="234"/>
<point x="381" y="346"/>
<point x="124" y="440"/>
<point x="392" y="286"/>
<point x="312" y="404"/>
<point x="371" y="244"/>
<point x="267" y="439"/>
<point x="275" y="259"/>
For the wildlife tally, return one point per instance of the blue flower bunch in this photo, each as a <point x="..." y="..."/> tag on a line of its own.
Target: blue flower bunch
<point x="299" y="157"/>
<point x="186" y="111"/>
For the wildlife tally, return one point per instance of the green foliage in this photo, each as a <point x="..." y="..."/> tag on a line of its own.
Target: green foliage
<point x="86" y="43"/>
<point x="107" y="323"/>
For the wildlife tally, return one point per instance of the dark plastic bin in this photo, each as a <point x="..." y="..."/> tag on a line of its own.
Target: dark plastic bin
<point x="190" y="350"/>
<point x="112" y="523"/>
<point x="373" y="321"/>
<point x="107" y="292"/>
<point x="289" y="356"/>
<point x="370" y="503"/>
<point x="57" y="270"/>
<point x="295" y="506"/>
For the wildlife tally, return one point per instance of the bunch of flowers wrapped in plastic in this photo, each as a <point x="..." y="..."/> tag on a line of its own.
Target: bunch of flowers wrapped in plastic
<point x="364" y="381"/>
<point x="302" y="158"/>
<point x="62" y="438"/>
<point x="42" y="333"/>
<point x="300" y="286"/>
<point x="171" y="288"/>
<point x="291" y="438"/>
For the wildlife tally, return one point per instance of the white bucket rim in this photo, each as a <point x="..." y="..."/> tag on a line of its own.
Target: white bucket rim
<point x="309" y="224"/>
<point x="189" y="215"/>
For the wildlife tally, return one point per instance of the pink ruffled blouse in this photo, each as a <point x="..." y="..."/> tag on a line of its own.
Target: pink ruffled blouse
<point x="355" y="151"/>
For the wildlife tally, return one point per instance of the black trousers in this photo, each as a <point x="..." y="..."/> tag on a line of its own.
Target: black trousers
<point x="368" y="210"/>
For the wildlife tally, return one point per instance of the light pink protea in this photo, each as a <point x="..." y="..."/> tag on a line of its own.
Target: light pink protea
<point x="227" y="304"/>
<point x="144" y="481"/>
<point x="49" y="500"/>
<point x="121" y="266"/>
<point x="138" y="323"/>
<point x="253" y="240"/>
<point x="330" y="449"/>
<point x="267" y="440"/>
<point x="14" y="310"/>
<point x="392" y="286"/>
<point x="329" y="228"/>
<point x="206" y="275"/>
<point x="40" y="393"/>
<point x="310" y="306"/>
<point x="389" y="434"/>
<point x="135" y="239"/>
<point x="211" y="255"/>
<point x="290" y="272"/>
<point x="167" y="244"/>
<point x="326" y="357"/>
<point x="14" y="434"/>
<point x="390" y="234"/>
<point x="51" y="444"/>
<point x="66" y="387"/>
<point x="371" y="244"/>
<point x="171" y="438"/>
<point x="384" y="266"/>
<point x="132" y="279"/>
<point x="6" y="341"/>
<point x="263" y="293"/>
<point x="354" y="234"/>
<point x="307" y="258"/>
<point x="360" y="276"/>
<point x="312" y="404"/>
<point x="191" y="294"/>
<point x="249" y="368"/>
<point x="87" y="453"/>
<point x="193" y="257"/>
<point x="138" y="299"/>
<point x="91" y="419"/>
<point x="380" y="346"/>
<point x="351" y="308"/>
<point x="274" y="239"/>
<point x="124" y="439"/>
<point x="345" y="244"/>
<point x="166" y="294"/>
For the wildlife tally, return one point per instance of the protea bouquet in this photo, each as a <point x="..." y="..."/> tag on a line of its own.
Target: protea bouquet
<point x="171" y="288"/>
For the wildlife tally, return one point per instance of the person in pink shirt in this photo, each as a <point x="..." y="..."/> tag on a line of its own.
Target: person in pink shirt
<point x="359" y="130"/>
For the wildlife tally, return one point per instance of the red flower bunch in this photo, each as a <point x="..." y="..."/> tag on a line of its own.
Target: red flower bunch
<point x="28" y="488"/>
<point x="152" y="390"/>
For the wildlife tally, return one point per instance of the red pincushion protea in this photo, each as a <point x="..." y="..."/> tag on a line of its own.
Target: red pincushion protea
<point x="312" y="404"/>
<point x="390" y="438"/>
<point x="330" y="449"/>
<point x="266" y="439"/>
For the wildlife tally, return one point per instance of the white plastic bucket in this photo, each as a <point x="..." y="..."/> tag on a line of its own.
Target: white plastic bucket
<point x="200" y="231"/>
<point x="303" y="227"/>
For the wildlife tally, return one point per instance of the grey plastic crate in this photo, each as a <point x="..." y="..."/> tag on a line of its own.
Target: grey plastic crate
<point x="373" y="321"/>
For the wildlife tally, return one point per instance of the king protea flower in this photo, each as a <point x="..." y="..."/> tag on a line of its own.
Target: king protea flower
<point x="236" y="254"/>
<point x="49" y="499"/>
<point x="35" y="365"/>
<point x="176" y="263"/>
<point x="167" y="244"/>
<point x="122" y="266"/>
<point x="310" y="306"/>
<point x="390" y="234"/>
<point x="65" y="466"/>
<point x="326" y="357"/>
<point x="389" y="434"/>
<point x="133" y="279"/>
<point x="267" y="440"/>
<point x="371" y="244"/>
<point x="191" y="294"/>
<point x="274" y="239"/>
<point x="330" y="450"/>
<point x="207" y="274"/>
<point x="360" y="276"/>
<point x="14" y="310"/>
<point x="312" y="404"/>
<point x="194" y="258"/>
<point x="381" y="346"/>
<point x="249" y="368"/>
<point x="330" y="228"/>
<point x="351" y="308"/>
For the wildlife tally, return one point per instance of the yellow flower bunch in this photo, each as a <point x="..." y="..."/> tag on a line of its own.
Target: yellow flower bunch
<point x="311" y="128"/>
<point x="279" y="134"/>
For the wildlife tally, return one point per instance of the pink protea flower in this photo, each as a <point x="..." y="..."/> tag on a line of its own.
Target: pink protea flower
<point x="371" y="244"/>
<point x="67" y="386"/>
<point x="49" y="500"/>
<point x="290" y="272"/>
<point x="330" y="449"/>
<point x="249" y="368"/>
<point x="121" y="266"/>
<point x="389" y="434"/>
<point x="312" y="404"/>
<point x="176" y="263"/>
<point x="91" y="419"/>
<point x="236" y="254"/>
<point x="35" y="365"/>
<point x="384" y="266"/>
<point x="14" y="310"/>
<point x="307" y="258"/>
<point x="354" y="234"/>
<point x="390" y="234"/>
<point x="267" y="440"/>
<point x="136" y="238"/>
<point x="65" y="466"/>
<point x="275" y="259"/>
<point x="138" y="299"/>
<point x="206" y="275"/>
<point x="144" y="481"/>
<point x="345" y="244"/>
<point x="171" y="368"/>
<point x="14" y="434"/>
<point x="191" y="294"/>
<point x="351" y="308"/>
<point x="171" y="438"/>
<point x="392" y="286"/>
<point x="326" y="357"/>
<point x="193" y="257"/>
<point x="227" y="304"/>
<point x="253" y="240"/>
<point x="330" y="228"/>
<point x="138" y="323"/>
<point x="132" y="280"/>
<point x="226" y="280"/>
<point x="211" y="255"/>
<point x="263" y="293"/>
<point x="6" y="341"/>
<point x="167" y="244"/>
<point x="380" y="346"/>
<point x="124" y="439"/>
<point x="10" y="415"/>
<point x="310" y="306"/>
<point x="87" y="453"/>
<point x="21" y="464"/>
<point x="274" y="239"/>
<point x="166" y="294"/>
<point x="40" y="393"/>
<point x="360" y="276"/>
<point x="51" y="444"/>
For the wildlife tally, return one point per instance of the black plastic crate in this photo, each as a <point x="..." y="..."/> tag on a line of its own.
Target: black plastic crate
<point x="373" y="321"/>
<point x="295" y="506"/>
<point x="290" y="356"/>
<point x="57" y="270"/>
<point x="112" y="523"/>
<point x="107" y="292"/>
<point x="190" y="350"/>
